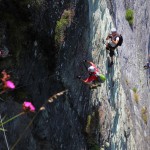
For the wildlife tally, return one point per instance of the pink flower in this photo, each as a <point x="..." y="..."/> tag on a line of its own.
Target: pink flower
<point x="10" y="84"/>
<point x="27" y="106"/>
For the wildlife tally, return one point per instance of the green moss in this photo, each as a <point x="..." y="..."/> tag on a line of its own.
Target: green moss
<point x="130" y="16"/>
<point x="134" y="89"/>
<point x="61" y="26"/>
<point x="92" y="126"/>
<point x="93" y="144"/>
<point x="59" y="31"/>
<point x="95" y="147"/>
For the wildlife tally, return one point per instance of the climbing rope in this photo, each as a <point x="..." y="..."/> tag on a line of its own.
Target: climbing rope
<point x="4" y="133"/>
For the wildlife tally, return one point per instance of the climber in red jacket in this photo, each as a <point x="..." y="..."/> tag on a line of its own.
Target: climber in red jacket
<point x="94" y="76"/>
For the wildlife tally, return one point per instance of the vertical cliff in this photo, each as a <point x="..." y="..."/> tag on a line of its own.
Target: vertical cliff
<point x="127" y="88"/>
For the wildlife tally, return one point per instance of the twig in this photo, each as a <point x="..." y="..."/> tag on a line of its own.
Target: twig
<point x="4" y="133"/>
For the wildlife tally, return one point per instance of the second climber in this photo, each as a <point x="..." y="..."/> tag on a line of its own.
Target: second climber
<point x="95" y="78"/>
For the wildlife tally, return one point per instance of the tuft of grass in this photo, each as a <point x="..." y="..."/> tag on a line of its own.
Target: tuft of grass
<point x="136" y="97"/>
<point x="134" y="90"/>
<point x="14" y="117"/>
<point x="130" y="16"/>
<point x="62" y="24"/>
<point x="88" y="124"/>
<point x="144" y="114"/>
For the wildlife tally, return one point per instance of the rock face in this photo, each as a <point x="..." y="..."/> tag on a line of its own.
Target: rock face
<point x="127" y="74"/>
<point x="73" y="117"/>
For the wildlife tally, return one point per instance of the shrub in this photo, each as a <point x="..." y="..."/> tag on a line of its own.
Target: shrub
<point x="129" y="16"/>
<point x="144" y="114"/>
<point x="61" y="26"/>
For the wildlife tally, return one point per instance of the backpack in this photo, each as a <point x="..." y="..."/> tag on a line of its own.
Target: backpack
<point x="101" y="78"/>
<point x="120" y="40"/>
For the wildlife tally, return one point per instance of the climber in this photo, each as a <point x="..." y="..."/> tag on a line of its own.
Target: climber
<point x="113" y="41"/>
<point x="95" y="78"/>
<point x="147" y="66"/>
<point x="6" y="83"/>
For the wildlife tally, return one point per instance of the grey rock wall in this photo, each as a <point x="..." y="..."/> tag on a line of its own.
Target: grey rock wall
<point x="137" y="48"/>
<point x="127" y="73"/>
